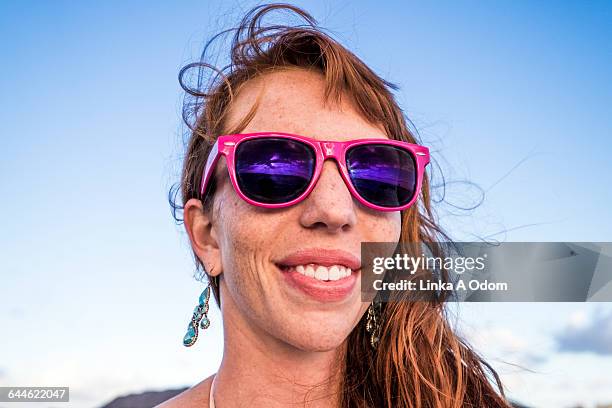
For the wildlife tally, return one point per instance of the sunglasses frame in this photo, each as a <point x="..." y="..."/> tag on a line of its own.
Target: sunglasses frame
<point x="226" y="145"/>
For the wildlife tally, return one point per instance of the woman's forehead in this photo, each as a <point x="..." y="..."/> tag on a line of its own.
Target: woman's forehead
<point x="293" y="101"/>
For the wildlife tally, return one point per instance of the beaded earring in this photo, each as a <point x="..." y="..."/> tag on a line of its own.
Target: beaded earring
<point x="373" y="323"/>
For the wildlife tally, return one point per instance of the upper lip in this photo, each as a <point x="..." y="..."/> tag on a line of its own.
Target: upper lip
<point x="322" y="256"/>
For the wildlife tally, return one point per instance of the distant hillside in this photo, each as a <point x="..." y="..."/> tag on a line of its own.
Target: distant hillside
<point x="144" y="400"/>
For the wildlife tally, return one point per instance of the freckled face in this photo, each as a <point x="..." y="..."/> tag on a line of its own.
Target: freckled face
<point x="252" y="240"/>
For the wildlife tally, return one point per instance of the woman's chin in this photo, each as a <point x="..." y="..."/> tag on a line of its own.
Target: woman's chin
<point x="320" y="344"/>
<point x="316" y="338"/>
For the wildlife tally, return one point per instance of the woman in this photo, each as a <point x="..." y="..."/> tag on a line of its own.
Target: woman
<point x="276" y="219"/>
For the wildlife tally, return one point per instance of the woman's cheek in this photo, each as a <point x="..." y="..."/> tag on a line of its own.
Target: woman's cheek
<point x="385" y="229"/>
<point x="247" y="239"/>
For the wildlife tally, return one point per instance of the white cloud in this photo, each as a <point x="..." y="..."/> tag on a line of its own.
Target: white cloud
<point x="587" y="334"/>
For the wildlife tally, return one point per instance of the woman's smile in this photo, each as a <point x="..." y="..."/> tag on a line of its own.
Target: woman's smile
<point x="322" y="274"/>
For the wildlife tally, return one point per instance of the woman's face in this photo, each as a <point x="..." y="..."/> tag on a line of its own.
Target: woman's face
<point x="248" y="244"/>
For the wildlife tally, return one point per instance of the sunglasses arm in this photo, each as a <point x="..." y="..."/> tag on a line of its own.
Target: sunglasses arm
<point x="213" y="156"/>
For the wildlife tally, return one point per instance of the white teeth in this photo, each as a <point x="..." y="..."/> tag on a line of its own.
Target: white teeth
<point x="334" y="273"/>
<point x="309" y="271"/>
<point x="324" y="273"/>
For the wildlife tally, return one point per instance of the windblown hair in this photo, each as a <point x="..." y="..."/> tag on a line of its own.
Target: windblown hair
<point x="420" y="362"/>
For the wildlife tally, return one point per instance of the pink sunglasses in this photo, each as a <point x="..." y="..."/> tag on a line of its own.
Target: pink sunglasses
<point x="275" y="170"/>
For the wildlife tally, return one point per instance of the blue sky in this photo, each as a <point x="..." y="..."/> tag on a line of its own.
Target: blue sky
<point x="97" y="280"/>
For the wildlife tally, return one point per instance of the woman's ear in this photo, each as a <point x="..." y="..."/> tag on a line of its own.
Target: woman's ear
<point x="203" y="236"/>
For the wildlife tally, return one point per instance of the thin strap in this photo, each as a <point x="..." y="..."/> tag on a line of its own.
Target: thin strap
<point x="211" y="400"/>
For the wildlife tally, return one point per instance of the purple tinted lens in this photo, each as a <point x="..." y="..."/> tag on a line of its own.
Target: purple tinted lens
<point x="274" y="170"/>
<point x="382" y="174"/>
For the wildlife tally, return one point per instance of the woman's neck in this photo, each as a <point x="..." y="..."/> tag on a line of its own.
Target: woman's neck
<point x="258" y="370"/>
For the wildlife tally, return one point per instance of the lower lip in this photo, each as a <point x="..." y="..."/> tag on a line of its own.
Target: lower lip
<point x="323" y="291"/>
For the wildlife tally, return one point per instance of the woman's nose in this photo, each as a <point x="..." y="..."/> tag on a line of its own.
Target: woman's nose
<point x="329" y="205"/>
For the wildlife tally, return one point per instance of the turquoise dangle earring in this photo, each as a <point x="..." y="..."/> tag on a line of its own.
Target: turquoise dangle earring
<point x="200" y="317"/>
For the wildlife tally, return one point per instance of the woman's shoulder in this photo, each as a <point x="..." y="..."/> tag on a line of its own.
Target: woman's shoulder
<point x="196" y="396"/>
